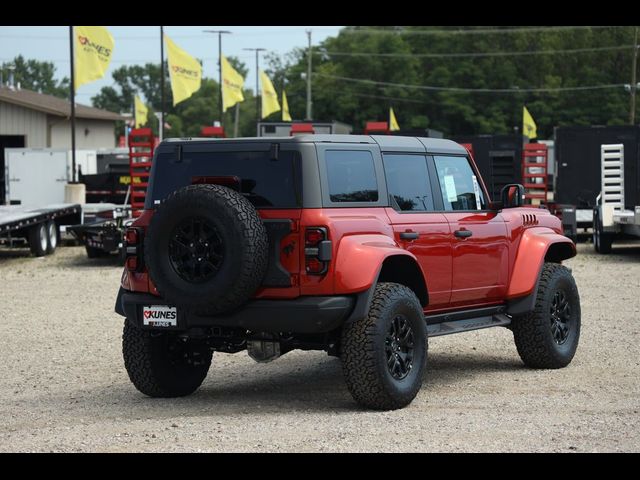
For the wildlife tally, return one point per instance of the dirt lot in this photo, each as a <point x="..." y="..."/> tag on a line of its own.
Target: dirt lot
<point x="64" y="387"/>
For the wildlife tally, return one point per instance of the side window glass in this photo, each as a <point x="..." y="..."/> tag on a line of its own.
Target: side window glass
<point x="459" y="186"/>
<point x="351" y="175"/>
<point x="408" y="182"/>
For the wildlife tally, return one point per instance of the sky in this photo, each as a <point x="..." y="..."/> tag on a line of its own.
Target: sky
<point x="138" y="45"/>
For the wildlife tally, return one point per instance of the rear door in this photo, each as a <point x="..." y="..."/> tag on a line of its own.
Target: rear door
<point x="417" y="227"/>
<point x="478" y="235"/>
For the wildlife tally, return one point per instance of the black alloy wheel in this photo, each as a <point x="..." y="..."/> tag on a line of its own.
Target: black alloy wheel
<point x="399" y="347"/>
<point x="560" y="318"/>
<point x="196" y="250"/>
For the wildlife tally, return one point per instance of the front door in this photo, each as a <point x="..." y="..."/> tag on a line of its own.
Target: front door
<point x="417" y="227"/>
<point x="479" y="236"/>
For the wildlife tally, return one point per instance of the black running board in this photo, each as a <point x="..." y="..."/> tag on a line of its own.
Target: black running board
<point x="468" y="324"/>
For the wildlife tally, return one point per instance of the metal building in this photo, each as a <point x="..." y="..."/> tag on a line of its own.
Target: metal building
<point x="35" y="120"/>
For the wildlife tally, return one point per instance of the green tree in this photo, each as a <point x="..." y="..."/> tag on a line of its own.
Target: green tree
<point x="462" y="112"/>
<point x="37" y="76"/>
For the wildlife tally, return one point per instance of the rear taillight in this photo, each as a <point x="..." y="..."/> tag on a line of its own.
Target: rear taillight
<point x="317" y="250"/>
<point x="133" y="249"/>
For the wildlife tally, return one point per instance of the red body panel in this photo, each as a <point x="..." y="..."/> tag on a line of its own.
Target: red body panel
<point x="533" y="246"/>
<point x="432" y="250"/>
<point x="369" y="226"/>
<point x="480" y="262"/>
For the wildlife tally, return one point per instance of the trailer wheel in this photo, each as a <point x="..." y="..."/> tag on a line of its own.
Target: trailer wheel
<point x="53" y="236"/>
<point x="38" y="239"/>
<point x="601" y="241"/>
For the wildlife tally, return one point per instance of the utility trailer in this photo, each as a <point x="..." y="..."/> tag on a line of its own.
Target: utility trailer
<point x="579" y="180"/>
<point x="612" y="220"/>
<point x="104" y="236"/>
<point x="36" y="227"/>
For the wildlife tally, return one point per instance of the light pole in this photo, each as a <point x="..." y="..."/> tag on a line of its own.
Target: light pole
<point x="220" y="33"/>
<point x="257" y="50"/>
<point x="309" y="77"/>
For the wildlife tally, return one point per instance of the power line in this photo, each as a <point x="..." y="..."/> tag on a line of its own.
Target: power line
<point x="477" y="54"/>
<point x="402" y="31"/>
<point x="381" y="97"/>
<point x="473" y="90"/>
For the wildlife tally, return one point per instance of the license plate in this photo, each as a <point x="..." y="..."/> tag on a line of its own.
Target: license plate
<point x="159" y="316"/>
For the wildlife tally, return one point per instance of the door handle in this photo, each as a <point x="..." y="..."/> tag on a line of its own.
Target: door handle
<point x="409" y="235"/>
<point x="463" y="233"/>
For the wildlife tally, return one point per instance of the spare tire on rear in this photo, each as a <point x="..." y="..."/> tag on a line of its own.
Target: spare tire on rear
<point x="206" y="249"/>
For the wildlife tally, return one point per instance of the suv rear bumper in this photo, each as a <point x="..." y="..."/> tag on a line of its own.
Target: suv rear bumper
<point x="299" y="315"/>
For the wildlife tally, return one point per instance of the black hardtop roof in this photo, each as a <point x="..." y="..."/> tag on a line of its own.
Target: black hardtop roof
<point x="388" y="143"/>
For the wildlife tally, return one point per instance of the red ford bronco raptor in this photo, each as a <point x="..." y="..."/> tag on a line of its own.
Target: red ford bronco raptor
<point x="362" y="246"/>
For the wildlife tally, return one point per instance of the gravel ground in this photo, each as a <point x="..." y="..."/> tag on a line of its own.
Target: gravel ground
<point x="64" y="387"/>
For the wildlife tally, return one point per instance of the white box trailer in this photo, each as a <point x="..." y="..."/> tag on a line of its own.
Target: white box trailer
<point x="37" y="176"/>
<point x="611" y="220"/>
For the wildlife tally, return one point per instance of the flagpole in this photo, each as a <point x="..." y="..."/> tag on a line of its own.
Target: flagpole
<point x="220" y="33"/>
<point x="161" y="129"/>
<point x="73" y="110"/>
<point x="257" y="50"/>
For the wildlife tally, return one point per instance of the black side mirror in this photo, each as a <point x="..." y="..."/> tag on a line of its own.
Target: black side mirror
<point x="512" y="195"/>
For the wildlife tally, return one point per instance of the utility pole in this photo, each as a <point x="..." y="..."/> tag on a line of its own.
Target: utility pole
<point x="220" y="33"/>
<point x="309" y="103"/>
<point x="634" y="86"/>
<point x="257" y="50"/>
<point x="73" y="109"/>
<point x="161" y="127"/>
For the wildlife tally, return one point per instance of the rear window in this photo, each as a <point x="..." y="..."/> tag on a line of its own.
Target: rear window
<point x="351" y="175"/>
<point x="266" y="183"/>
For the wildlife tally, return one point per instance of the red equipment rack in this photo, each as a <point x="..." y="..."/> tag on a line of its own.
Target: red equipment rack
<point x="534" y="166"/>
<point x="301" y="128"/>
<point x="377" y="127"/>
<point x="214" y="132"/>
<point x="141" y="148"/>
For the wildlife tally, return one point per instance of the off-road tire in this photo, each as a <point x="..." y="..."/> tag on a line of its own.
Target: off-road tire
<point x="363" y="350"/>
<point x="157" y="373"/>
<point x="38" y="240"/>
<point x="602" y="242"/>
<point x="532" y="332"/>
<point x="93" y="252"/>
<point x="241" y="242"/>
<point x="53" y="236"/>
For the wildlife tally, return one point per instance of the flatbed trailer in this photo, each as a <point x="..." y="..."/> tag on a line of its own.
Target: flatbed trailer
<point x="36" y="226"/>
<point x="614" y="217"/>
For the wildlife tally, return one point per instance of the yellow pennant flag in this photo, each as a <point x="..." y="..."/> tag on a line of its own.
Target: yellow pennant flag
<point x="141" y="112"/>
<point x="393" y="123"/>
<point x="93" y="52"/>
<point x="184" y="70"/>
<point x="529" y="127"/>
<point x="285" y="108"/>
<point x="232" y="83"/>
<point x="270" y="102"/>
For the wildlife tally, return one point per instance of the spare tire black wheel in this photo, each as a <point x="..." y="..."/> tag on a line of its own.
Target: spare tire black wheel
<point x="206" y="249"/>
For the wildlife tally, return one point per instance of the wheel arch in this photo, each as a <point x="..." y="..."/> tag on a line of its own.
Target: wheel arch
<point x="405" y="270"/>
<point x="537" y="247"/>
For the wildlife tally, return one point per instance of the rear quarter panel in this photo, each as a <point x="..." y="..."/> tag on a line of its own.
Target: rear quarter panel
<point x="361" y="239"/>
